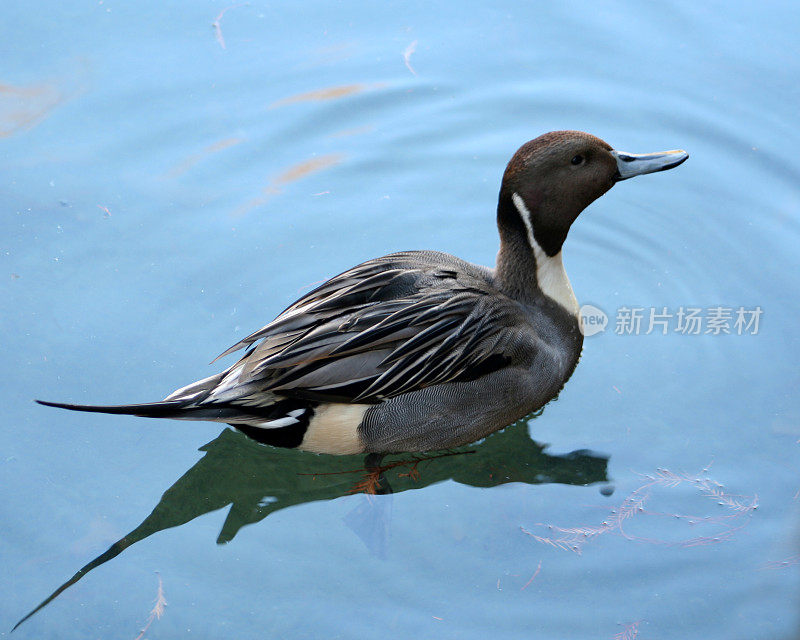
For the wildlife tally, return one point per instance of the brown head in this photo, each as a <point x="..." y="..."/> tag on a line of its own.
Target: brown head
<point x="559" y="174"/>
<point x="547" y="183"/>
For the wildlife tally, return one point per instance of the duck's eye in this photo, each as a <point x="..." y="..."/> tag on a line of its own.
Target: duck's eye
<point x="577" y="159"/>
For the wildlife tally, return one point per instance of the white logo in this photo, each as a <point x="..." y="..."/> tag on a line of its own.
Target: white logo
<point x="592" y="320"/>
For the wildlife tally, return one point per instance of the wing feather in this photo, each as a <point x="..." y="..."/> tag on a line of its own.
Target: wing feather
<point x="386" y="327"/>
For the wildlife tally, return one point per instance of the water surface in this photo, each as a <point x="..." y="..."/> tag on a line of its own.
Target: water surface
<point x="175" y="176"/>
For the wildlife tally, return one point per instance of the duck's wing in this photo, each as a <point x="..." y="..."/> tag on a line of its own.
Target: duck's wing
<point x="385" y="327"/>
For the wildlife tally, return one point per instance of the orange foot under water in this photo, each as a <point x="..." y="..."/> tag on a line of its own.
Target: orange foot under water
<point x="373" y="480"/>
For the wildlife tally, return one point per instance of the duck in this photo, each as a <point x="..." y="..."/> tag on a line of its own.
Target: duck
<point x="420" y="350"/>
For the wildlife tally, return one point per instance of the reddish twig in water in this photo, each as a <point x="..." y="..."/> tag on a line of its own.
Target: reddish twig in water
<point x="292" y="174"/>
<point x="407" y="56"/>
<point x="573" y="538"/>
<point x="533" y="577"/>
<point x="630" y="631"/>
<point x="193" y="159"/>
<point x="399" y="463"/>
<point x="158" y="608"/>
<point x="328" y="93"/>
<point x="371" y="480"/>
<point x="782" y="564"/>
<point x="413" y="473"/>
<point x="369" y="483"/>
<point x="218" y="28"/>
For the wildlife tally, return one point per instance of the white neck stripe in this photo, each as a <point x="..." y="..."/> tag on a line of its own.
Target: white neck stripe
<point x="550" y="273"/>
<point x="519" y="203"/>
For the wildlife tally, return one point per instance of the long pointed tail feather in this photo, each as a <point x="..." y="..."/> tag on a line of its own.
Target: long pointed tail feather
<point x="175" y="409"/>
<point x="163" y="409"/>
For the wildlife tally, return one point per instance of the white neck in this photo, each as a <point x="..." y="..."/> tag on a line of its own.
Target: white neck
<point x="550" y="274"/>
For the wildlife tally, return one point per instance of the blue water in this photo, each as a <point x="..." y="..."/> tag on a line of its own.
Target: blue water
<point x="170" y="185"/>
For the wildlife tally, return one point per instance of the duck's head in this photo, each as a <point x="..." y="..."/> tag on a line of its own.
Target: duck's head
<point x="554" y="177"/>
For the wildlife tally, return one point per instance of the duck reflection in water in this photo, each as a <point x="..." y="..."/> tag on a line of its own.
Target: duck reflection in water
<point x="257" y="480"/>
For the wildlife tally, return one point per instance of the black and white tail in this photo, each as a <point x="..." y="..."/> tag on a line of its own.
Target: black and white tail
<point x="282" y="422"/>
<point x="174" y="409"/>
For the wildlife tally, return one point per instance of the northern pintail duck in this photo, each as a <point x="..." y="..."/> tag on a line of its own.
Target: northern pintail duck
<point x="420" y="350"/>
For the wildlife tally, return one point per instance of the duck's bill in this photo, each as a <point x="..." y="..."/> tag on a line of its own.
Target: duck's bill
<point x="637" y="164"/>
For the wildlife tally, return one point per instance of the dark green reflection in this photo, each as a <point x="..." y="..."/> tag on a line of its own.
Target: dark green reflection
<point x="257" y="480"/>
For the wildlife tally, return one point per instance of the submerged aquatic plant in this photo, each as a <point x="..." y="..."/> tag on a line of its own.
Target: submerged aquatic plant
<point x="630" y="632"/>
<point x="782" y="564"/>
<point x="158" y="609"/>
<point x="574" y="538"/>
